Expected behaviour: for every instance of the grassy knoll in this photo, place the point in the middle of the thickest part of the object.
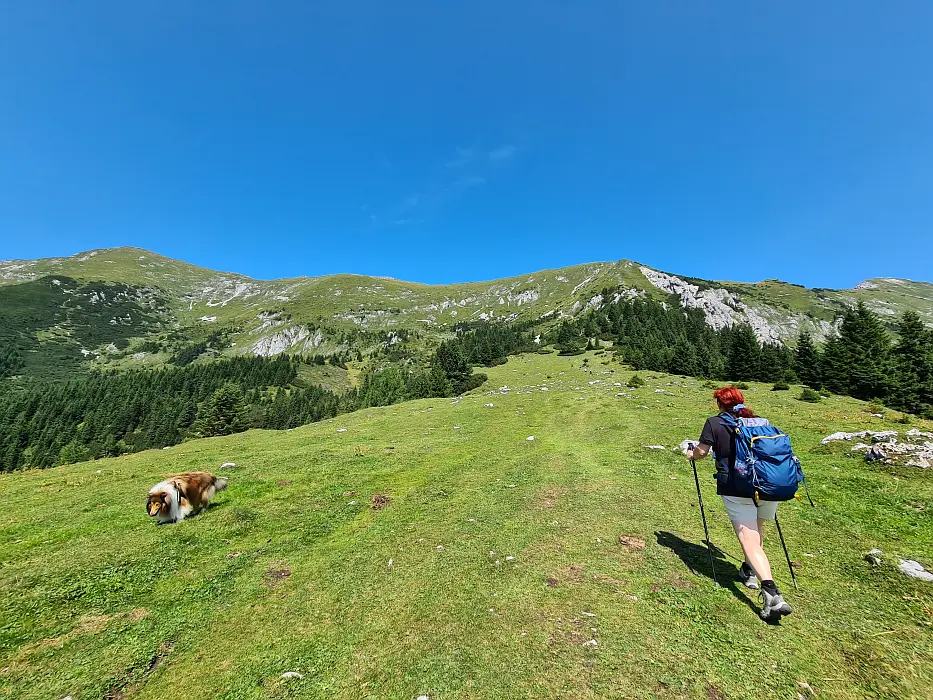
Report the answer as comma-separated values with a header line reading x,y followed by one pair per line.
x,y
290,570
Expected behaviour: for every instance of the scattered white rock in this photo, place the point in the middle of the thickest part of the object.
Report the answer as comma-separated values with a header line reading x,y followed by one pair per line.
x,y
510,558
390,564
488,405
591,643
874,557
655,447
341,430
588,614
530,438
439,548
291,674
228,465
914,570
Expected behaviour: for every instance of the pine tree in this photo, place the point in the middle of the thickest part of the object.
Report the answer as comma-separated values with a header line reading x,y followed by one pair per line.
x,y
913,366
834,366
744,355
867,350
807,361
450,358
222,414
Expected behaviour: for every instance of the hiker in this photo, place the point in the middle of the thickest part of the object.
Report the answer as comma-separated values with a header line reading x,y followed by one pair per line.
x,y
748,514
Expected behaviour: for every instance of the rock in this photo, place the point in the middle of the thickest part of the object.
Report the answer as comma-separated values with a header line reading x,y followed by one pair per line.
x,y
588,614
341,430
875,454
488,405
510,558
228,465
439,548
530,438
914,570
883,436
873,557
591,643
423,697
291,674
914,433
654,447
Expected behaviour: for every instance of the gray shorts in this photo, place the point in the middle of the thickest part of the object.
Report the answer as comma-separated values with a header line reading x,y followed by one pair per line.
x,y
744,510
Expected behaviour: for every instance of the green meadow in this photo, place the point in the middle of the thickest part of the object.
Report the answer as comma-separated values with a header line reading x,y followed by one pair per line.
x,y
431,549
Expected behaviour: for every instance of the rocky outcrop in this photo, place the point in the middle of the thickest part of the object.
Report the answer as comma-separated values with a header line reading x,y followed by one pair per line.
x,y
280,342
724,310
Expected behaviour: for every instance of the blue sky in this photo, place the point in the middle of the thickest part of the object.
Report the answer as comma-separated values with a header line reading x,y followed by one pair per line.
x,y
442,141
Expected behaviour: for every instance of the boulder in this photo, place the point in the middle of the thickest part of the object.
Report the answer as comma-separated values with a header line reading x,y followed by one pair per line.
x,y
914,570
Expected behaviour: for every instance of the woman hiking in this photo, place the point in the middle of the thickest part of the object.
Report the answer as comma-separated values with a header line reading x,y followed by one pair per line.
x,y
747,516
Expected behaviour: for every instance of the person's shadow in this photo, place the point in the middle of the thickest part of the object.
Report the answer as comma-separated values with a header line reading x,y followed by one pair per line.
x,y
696,557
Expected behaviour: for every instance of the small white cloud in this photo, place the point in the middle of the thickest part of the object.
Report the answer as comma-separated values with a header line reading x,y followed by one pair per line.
x,y
503,153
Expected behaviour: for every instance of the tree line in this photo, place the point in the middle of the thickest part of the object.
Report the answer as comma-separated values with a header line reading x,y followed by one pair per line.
x,y
862,360
650,335
104,414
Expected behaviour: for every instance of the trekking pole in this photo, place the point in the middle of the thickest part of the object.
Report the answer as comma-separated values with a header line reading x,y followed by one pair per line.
x,y
709,545
786,555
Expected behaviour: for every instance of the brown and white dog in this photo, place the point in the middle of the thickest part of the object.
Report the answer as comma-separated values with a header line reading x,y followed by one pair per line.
x,y
179,496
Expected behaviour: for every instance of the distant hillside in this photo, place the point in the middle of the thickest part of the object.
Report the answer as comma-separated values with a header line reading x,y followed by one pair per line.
x,y
130,307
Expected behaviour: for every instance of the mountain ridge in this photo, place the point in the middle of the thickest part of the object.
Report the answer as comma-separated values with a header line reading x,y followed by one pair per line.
x,y
127,306
86,254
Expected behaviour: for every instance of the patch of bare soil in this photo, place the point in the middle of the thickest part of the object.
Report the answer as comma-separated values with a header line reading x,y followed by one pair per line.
x,y
549,496
276,573
379,501
634,544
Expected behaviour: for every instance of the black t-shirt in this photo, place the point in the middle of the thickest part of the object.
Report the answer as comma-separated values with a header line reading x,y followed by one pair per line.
x,y
721,439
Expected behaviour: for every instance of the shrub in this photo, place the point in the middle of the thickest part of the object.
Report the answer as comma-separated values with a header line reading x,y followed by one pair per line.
x,y
905,419
875,407
710,385
741,385
636,381
470,383
780,386
809,395
545,351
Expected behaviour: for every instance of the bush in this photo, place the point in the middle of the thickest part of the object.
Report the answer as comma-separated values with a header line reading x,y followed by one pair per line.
x,y
545,351
780,386
809,395
905,419
470,383
636,381
710,385
741,385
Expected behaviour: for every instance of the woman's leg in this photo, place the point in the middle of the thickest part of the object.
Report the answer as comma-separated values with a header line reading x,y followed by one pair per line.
x,y
750,538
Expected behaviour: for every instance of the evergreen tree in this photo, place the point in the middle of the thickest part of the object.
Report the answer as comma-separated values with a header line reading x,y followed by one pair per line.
x,y
744,355
913,366
807,361
450,358
867,351
222,414
833,365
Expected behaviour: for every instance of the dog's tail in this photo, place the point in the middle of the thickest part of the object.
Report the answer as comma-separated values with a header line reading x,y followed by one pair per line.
x,y
220,483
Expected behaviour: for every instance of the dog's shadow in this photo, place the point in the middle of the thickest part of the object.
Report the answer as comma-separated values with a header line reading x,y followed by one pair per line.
x,y
696,557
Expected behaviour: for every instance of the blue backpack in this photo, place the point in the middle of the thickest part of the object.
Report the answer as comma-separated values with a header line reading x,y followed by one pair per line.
x,y
766,467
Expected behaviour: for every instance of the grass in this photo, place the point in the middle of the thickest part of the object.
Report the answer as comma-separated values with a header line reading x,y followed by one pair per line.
x,y
290,569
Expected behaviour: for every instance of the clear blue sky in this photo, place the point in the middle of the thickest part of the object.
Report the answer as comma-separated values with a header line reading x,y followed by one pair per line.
x,y
442,141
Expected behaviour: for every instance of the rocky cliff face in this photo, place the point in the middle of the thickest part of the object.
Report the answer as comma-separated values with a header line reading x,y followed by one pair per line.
x,y
724,310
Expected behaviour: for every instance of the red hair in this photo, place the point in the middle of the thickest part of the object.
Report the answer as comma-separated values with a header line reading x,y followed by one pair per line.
x,y
729,397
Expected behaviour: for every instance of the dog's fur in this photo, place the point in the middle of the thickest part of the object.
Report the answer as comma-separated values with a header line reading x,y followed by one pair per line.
x,y
180,496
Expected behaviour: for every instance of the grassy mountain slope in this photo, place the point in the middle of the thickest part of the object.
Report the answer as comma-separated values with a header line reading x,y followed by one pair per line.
x,y
290,570
323,315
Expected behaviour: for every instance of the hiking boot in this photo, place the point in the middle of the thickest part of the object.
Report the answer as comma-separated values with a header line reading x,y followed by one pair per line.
x,y
774,607
747,577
